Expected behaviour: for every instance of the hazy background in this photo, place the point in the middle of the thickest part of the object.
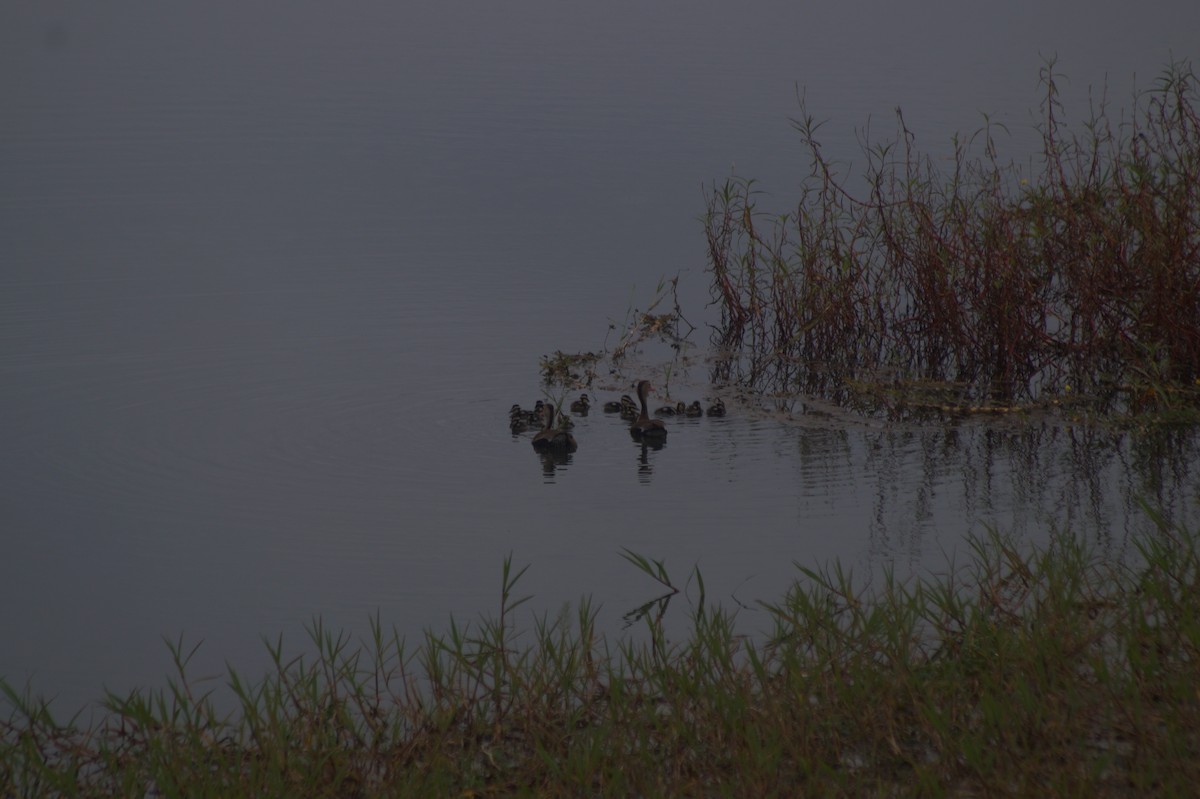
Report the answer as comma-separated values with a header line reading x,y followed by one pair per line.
x,y
271,276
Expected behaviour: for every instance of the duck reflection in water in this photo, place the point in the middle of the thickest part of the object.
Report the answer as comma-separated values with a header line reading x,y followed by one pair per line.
x,y
645,468
552,460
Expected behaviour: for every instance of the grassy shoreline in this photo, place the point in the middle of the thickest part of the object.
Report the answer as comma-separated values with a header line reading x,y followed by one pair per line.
x,y
1029,671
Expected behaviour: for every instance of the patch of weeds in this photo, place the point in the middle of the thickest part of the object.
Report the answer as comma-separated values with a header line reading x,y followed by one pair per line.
x,y
570,370
1055,671
653,323
1077,284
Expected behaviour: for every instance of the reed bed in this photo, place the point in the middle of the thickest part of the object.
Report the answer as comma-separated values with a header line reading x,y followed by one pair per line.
x,y
1050,672
982,284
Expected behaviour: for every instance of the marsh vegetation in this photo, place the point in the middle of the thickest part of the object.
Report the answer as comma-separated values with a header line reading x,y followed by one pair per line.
x,y
984,285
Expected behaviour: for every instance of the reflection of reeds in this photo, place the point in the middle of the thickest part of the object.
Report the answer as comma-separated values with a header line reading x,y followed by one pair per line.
x,y
1082,280
1051,672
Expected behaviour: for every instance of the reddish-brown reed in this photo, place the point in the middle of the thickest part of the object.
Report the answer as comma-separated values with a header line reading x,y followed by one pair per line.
x,y
1013,286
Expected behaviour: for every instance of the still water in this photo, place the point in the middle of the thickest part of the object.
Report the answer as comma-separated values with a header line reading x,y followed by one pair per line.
x,y
269,283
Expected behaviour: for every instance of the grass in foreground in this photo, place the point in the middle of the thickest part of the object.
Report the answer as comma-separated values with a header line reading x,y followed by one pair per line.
x,y
1050,672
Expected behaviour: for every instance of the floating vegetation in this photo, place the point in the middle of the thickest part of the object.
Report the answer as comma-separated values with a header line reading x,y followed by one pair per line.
x,y
641,326
984,288
570,370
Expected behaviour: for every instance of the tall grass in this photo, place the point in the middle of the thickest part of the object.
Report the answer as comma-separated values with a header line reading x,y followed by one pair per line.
x,y
997,285
1050,672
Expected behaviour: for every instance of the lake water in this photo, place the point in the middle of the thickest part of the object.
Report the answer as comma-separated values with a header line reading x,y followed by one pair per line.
x,y
270,280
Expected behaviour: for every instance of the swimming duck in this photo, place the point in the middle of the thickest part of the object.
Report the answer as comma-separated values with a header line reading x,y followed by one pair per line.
x,y
518,423
581,405
629,408
536,416
671,410
645,426
551,437
694,410
717,408
612,406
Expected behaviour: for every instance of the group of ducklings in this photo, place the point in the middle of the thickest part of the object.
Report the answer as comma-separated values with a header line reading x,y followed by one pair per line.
x,y
629,410
553,433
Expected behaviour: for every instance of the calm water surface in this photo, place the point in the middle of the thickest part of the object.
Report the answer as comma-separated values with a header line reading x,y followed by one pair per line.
x,y
269,284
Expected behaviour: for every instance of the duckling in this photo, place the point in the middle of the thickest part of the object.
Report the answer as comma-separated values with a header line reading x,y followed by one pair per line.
x,y
518,423
671,410
581,405
628,408
612,406
694,410
551,437
717,408
536,415
645,427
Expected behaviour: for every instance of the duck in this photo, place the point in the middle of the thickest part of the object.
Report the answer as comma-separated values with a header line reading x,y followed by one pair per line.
x,y
694,410
629,408
717,408
581,405
645,427
677,409
612,406
518,419
551,437
536,416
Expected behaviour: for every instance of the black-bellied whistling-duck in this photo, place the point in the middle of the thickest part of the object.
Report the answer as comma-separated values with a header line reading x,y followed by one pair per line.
x,y
537,415
645,426
671,410
518,420
551,437
629,409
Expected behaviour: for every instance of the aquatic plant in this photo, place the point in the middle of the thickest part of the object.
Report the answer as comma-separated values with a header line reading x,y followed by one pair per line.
x,y
641,326
569,370
983,286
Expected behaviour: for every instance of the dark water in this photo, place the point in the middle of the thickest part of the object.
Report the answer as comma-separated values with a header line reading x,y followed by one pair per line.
x,y
269,282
